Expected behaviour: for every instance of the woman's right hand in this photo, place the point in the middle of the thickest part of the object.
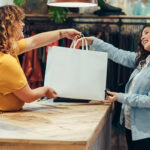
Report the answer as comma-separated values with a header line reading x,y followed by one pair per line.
x,y
69,33
89,41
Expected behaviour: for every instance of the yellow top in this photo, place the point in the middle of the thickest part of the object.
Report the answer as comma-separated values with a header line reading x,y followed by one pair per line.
x,y
12,78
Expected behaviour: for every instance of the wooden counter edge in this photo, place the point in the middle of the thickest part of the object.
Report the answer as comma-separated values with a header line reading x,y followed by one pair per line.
x,y
99,127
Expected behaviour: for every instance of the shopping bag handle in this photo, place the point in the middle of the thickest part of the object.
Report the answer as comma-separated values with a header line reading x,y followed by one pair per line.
x,y
86,44
74,43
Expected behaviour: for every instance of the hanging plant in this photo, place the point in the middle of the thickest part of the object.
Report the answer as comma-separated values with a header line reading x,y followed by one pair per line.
x,y
56,14
19,2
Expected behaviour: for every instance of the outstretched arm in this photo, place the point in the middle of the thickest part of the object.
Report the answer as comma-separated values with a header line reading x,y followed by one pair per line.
x,y
43,39
120,56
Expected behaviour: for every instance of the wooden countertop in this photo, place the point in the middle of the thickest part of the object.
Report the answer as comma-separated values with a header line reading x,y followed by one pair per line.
x,y
57,124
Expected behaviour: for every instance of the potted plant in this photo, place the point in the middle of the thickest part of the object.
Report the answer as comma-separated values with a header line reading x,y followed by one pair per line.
x,y
56,14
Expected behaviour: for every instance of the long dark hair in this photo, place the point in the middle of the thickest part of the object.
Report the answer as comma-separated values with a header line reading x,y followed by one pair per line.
x,y
142,53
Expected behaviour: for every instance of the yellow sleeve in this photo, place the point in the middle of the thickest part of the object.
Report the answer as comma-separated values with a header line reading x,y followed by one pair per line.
x,y
21,46
12,77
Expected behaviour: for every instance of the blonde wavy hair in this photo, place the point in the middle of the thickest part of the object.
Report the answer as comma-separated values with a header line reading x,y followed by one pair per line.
x,y
9,16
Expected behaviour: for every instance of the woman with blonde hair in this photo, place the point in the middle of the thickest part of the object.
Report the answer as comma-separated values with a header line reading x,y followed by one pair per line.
x,y
14,88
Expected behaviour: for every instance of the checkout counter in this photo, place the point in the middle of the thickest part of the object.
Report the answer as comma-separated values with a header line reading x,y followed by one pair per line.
x,y
43,125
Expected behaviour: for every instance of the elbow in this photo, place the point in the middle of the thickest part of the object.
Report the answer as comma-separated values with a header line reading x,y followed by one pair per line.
x,y
28,99
26,94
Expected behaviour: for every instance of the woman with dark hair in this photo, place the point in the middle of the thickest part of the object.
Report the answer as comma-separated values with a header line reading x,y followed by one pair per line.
x,y
14,88
136,99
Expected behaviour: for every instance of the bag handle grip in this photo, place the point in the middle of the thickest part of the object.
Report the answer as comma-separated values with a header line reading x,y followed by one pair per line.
x,y
84,41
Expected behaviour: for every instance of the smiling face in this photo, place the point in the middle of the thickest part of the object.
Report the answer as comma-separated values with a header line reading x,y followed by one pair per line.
x,y
145,38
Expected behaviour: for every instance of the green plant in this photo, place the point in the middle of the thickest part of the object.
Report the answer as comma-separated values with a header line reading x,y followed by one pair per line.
x,y
56,14
19,2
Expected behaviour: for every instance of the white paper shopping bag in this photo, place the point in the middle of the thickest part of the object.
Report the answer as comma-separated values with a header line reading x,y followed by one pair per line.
x,y
77,74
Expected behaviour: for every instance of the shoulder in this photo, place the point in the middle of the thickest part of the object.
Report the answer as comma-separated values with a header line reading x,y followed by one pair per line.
x,y
21,46
22,43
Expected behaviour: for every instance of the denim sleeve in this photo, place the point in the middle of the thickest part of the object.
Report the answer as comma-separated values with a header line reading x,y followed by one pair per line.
x,y
134,100
120,56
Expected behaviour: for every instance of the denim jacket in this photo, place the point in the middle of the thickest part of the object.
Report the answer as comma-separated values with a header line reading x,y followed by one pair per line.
x,y
139,99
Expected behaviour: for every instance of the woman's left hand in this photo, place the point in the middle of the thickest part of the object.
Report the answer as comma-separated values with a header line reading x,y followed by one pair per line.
x,y
70,33
113,96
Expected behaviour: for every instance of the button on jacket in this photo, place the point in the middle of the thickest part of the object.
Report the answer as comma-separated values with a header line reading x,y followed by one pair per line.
x,y
139,99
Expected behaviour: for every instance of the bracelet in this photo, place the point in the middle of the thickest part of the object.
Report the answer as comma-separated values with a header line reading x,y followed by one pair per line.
x,y
60,34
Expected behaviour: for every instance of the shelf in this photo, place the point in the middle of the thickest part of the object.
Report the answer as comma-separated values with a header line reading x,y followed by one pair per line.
x,y
71,15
